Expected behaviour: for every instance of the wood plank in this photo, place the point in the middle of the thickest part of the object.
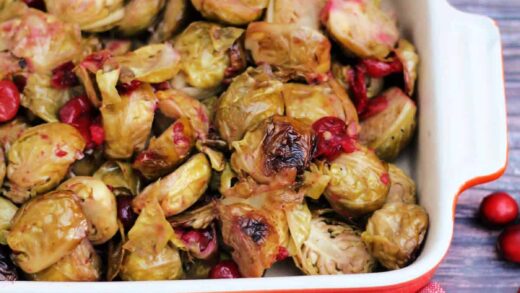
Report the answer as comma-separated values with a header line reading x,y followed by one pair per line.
x,y
472,263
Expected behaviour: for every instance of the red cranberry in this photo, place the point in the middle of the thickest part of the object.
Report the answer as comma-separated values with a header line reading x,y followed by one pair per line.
x,y
202,243
357,84
63,77
509,243
97,134
128,88
498,209
9,100
378,69
226,269
374,107
74,108
332,138
125,213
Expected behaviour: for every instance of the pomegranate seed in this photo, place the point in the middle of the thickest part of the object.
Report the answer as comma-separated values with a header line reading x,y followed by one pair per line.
x,y
226,269
498,209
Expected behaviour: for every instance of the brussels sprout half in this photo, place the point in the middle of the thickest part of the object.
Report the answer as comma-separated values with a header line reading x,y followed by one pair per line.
x,y
234,12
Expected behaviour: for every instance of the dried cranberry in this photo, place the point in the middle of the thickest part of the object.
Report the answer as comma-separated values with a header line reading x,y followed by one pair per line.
x,y
332,138
509,243
74,108
125,213
129,87
9,100
226,269
378,69
36,4
357,83
283,253
95,61
498,209
63,77
97,134
20,81
374,107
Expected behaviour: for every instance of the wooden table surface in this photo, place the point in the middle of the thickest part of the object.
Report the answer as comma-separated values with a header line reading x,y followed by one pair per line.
x,y
472,264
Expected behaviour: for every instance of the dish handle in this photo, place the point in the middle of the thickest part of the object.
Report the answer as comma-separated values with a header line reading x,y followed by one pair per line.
x,y
476,126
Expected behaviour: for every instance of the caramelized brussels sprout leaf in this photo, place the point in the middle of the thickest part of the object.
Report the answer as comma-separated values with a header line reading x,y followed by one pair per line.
x,y
98,204
252,97
199,218
395,233
333,248
296,51
362,28
359,183
179,190
390,131
40,158
407,54
41,235
117,174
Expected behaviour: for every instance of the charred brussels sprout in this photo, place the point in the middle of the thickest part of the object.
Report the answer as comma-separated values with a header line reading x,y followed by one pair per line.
x,y
90,15
139,15
407,54
46,229
179,190
7,212
255,233
167,151
98,204
40,158
234,12
402,187
174,14
82,264
333,248
252,97
116,174
150,254
204,47
361,27
277,150
128,123
300,12
359,183
395,233
390,131
296,51
55,42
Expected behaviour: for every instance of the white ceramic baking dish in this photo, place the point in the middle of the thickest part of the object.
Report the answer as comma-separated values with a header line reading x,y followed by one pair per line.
x,y
462,142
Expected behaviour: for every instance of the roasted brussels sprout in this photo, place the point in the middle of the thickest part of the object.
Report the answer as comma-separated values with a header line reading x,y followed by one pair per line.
x,y
150,254
359,183
395,233
407,54
90,15
40,158
139,15
390,131
176,104
40,38
167,151
204,47
98,204
46,229
11,131
255,232
128,122
252,97
153,64
234,12
116,174
333,248
180,189
7,212
277,150
296,51
82,264
174,14
42,99
300,12
402,187
315,102
361,27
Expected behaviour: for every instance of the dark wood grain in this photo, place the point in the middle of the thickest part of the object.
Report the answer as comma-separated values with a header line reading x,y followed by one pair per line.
x,y
472,264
